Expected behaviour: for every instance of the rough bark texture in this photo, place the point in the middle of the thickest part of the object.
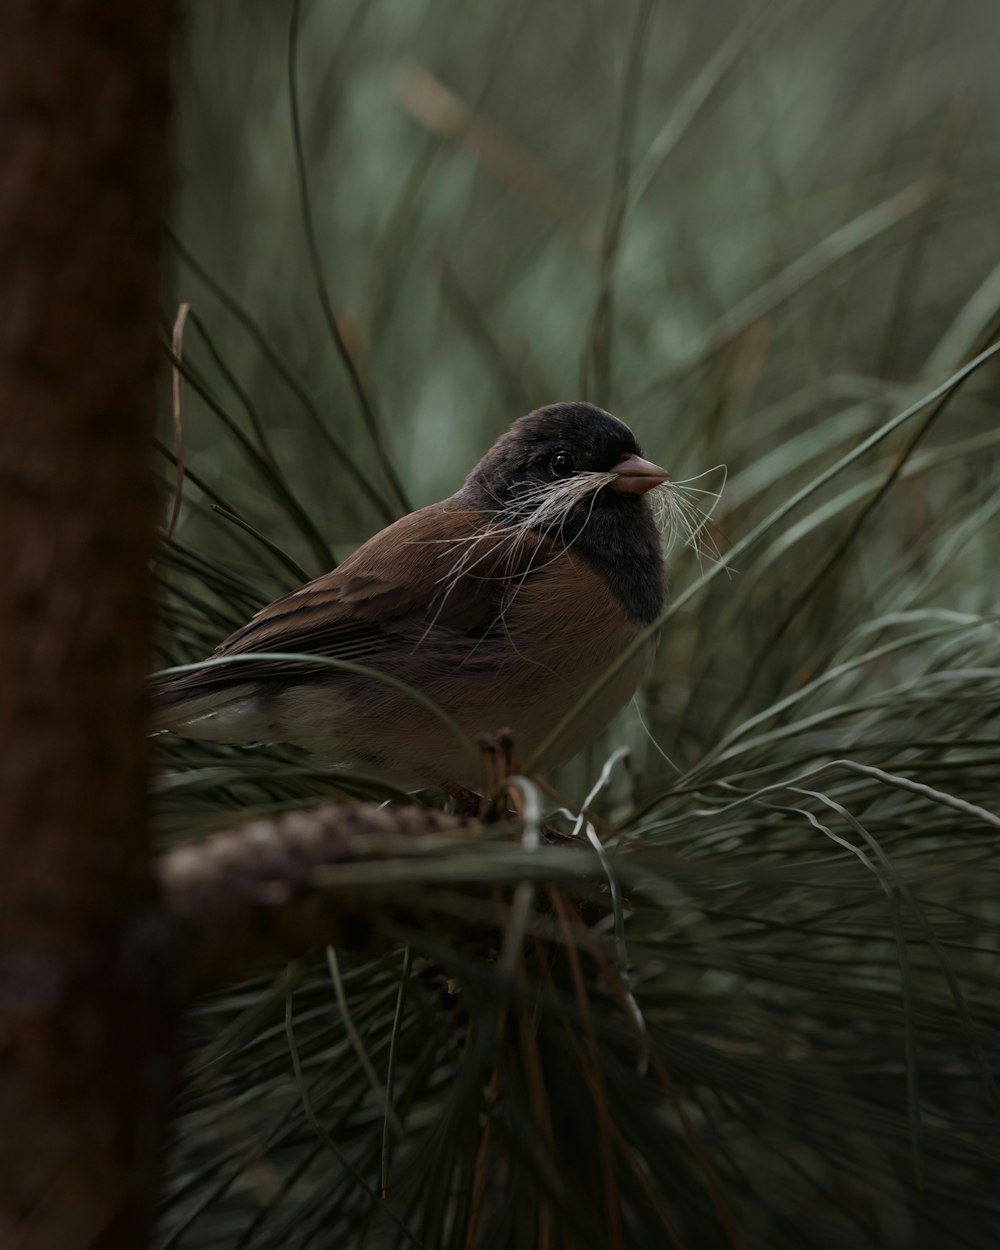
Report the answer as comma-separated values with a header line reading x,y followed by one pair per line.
x,y
85,1027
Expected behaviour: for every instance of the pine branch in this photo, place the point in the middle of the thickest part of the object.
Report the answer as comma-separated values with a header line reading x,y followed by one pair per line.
x,y
272,890
255,894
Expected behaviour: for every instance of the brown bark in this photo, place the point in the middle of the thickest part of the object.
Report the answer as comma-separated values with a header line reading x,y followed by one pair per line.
x,y
84,1022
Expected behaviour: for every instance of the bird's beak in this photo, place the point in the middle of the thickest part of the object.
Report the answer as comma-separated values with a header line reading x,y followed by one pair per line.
x,y
634,476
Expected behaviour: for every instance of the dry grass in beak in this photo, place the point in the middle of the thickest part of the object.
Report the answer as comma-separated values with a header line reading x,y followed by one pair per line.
x,y
680,511
491,551
683,511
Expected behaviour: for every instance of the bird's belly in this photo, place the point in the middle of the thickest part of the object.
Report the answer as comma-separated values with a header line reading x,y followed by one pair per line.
x,y
386,734
567,636
591,719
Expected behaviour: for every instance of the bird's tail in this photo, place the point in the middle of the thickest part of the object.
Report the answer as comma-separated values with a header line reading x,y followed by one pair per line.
x,y
196,709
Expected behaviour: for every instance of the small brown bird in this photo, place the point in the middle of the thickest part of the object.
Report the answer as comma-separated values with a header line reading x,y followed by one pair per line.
x,y
502,604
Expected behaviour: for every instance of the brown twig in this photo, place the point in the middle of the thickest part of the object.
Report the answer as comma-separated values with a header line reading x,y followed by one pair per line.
x,y
612,1196
481,1174
627,1151
667,1084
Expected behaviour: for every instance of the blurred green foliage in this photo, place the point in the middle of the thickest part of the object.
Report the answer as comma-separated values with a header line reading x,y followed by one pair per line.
x,y
460,163
757,233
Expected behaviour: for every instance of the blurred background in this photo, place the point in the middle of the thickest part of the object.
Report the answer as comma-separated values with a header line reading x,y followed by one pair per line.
x,y
758,233
810,198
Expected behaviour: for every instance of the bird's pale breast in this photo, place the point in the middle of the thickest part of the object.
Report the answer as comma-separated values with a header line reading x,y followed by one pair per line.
x,y
558,633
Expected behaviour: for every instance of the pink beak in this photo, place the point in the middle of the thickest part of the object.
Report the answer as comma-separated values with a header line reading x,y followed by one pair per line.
x,y
635,476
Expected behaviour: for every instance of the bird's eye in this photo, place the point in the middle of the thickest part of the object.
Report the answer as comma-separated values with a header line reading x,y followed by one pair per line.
x,y
562,463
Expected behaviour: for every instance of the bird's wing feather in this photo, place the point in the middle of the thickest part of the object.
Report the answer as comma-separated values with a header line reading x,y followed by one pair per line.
x,y
426,576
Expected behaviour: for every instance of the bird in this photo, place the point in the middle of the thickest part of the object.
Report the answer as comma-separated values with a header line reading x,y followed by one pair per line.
x,y
500,604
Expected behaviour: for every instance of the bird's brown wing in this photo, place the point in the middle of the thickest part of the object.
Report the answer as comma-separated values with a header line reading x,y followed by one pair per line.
x,y
431,576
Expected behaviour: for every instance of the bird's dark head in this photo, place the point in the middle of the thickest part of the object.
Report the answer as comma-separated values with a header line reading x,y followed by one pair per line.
x,y
565,447
575,473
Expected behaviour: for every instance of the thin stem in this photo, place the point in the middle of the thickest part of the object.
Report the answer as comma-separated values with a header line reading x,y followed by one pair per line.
x,y
596,363
366,401
287,375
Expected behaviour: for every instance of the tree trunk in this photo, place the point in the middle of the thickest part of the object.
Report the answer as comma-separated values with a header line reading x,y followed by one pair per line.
x,y
85,1026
